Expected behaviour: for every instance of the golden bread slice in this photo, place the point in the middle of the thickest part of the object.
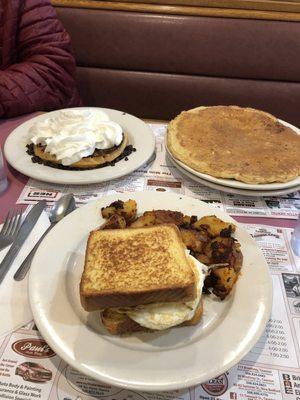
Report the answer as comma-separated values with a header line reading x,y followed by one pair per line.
x,y
119,323
129,267
248,145
98,158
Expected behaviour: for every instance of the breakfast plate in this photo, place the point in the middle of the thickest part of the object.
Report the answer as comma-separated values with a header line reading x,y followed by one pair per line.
x,y
238,184
229,189
173,359
140,137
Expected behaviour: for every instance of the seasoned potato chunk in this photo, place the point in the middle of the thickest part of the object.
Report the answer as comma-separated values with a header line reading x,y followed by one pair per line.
x,y
202,258
223,277
221,280
148,219
115,221
130,209
126,209
168,217
214,226
193,239
219,250
223,250
158,217
186,221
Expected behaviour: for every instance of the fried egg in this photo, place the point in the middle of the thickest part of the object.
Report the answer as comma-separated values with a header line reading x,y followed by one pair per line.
x,y
165,315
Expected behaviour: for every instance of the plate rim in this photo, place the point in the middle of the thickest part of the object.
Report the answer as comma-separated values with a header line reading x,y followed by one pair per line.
x,y
46,176
153,387
230,189
239,184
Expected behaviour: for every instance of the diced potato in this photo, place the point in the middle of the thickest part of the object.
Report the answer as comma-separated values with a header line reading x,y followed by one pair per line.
x,y
214,226
219,250
226,278
204,259
126,209
186,221
222,277
114,222
130,209
168,217
193,239
148,219
108,211
158,217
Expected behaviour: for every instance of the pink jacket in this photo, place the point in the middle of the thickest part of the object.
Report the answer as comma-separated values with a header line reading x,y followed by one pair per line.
x,y
37,67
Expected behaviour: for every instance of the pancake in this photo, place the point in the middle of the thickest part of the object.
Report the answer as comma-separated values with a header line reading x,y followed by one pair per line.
x,y
245,144
100,157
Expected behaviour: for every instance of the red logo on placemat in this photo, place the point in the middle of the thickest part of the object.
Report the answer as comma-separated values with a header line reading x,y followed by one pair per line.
x,y
34,348
216,386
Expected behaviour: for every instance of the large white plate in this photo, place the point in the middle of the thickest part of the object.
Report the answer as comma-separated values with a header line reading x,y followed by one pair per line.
x,y
238,184
228,189
140,136
177,358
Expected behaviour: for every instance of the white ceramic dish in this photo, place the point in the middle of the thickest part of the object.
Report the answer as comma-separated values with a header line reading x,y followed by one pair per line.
x,y
238,184
140,136
177,358
228,189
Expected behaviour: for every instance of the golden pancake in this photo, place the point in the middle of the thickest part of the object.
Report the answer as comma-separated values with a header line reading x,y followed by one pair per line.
x,y
99,157
238,143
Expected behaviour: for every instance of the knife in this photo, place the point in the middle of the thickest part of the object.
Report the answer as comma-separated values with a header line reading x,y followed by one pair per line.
x,y
26,227
24,267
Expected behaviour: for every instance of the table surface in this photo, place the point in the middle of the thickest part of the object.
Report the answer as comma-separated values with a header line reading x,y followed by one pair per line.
x,y
17,181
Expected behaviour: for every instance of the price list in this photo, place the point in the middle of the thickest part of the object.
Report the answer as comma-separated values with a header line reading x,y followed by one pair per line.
x,y
276,345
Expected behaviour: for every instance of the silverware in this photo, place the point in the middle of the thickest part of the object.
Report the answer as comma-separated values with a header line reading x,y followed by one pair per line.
x,y
10,227
27,226
60,209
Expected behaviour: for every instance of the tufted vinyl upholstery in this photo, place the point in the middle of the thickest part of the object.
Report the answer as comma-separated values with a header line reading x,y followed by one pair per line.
x,y
156,65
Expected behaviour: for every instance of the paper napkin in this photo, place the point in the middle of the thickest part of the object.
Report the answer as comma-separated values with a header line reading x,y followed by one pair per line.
x,y
14,302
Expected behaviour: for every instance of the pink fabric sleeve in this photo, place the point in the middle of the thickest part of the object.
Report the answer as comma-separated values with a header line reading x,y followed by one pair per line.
x,y
43,77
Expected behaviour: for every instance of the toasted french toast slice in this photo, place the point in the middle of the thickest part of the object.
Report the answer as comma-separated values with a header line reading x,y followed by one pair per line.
x,y
129,267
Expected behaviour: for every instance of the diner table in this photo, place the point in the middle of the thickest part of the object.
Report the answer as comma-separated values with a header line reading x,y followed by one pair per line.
x,y
271,371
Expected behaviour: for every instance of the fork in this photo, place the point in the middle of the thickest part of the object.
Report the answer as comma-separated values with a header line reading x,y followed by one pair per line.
x,y
10,228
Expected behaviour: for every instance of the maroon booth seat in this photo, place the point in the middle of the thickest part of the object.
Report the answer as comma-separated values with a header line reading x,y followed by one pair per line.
x,y
155,65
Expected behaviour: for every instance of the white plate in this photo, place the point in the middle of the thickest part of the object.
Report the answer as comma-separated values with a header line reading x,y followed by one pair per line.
x,y
177,358
228,189
238,184
140,136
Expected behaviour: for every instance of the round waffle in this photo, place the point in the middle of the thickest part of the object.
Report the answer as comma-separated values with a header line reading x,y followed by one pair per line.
x,y
248,145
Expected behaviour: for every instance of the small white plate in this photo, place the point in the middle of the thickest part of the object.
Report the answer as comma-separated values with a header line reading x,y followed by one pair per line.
x,y
228,189
178,358
238,184
140,136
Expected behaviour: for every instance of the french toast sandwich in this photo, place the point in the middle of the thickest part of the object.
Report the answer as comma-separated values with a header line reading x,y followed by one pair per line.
x,y
132,267
148,272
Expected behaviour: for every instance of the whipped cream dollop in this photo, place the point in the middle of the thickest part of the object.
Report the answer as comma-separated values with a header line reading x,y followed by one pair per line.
x,y
72,134
165,315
